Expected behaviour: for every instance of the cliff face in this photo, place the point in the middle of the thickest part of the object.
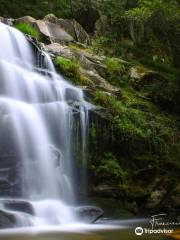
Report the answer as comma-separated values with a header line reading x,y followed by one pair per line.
x,y
133,140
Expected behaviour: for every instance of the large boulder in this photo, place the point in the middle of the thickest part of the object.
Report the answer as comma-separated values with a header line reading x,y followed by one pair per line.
x,y
17,205
53,31
89,214
48,31
26,19
12,219
71,26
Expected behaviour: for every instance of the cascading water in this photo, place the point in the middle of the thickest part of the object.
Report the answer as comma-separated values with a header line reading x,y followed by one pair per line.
x,y
35,107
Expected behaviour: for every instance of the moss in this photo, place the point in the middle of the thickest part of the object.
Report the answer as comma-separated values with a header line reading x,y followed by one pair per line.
x,y
115,71
113,64
70,69
138,120
27,29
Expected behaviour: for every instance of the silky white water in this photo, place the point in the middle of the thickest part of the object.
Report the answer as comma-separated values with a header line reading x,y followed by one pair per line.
x,y
37,109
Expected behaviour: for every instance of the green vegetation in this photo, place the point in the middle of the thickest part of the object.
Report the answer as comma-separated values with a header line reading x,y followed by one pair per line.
x,y
27,29
135,145
67,66
110,170
115,71
70,69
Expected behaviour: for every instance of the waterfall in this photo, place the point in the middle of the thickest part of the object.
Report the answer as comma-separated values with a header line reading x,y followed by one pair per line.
x,y
35,108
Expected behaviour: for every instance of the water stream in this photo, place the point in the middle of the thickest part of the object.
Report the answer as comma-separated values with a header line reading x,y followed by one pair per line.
x,y
36,108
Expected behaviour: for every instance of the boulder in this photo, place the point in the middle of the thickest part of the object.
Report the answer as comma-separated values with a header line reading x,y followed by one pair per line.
x,y
7,219
47,30
17,205
71,26
101,25
58,30
12,219
98,81
26,19
59,50
89,214
142,77
90,61
53,31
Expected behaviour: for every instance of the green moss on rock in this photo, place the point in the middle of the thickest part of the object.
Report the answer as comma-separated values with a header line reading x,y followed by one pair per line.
x,y
27,29
70,69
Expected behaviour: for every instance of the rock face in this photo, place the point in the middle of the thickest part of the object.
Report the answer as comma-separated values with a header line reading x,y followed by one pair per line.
x,y
91,66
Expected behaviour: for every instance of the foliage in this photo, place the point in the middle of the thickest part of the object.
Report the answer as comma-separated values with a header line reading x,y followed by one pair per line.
x,y
109,168
136,118
70,69
27,29
115,71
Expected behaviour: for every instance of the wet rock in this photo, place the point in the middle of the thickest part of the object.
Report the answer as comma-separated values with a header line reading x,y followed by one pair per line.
x,y
12,219
72,95
10,168
7,220
8,21
18,205
89,214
